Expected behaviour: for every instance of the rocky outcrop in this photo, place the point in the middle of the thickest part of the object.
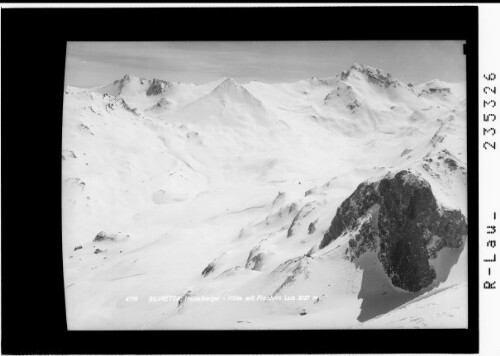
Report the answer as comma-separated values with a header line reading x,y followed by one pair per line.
x,y
374,75
113,103
312,227
68,153
158,87
102,236
435,88
106,236
343,95
310,192
182,300
212,266
444,160
398,218
279,198
162,105
294,269
255,259
438,91
209,269
119,84
303,212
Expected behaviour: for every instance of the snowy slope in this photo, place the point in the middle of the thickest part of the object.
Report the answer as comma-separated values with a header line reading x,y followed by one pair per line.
x,y
227,189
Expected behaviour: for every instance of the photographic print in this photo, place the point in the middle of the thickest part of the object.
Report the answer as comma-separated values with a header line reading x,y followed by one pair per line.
x,y
265,185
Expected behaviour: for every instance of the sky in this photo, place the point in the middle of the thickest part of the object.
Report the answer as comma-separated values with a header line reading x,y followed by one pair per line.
x,y
91,64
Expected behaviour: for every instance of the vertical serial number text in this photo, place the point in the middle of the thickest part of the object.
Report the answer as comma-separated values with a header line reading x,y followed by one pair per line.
x,y
489,104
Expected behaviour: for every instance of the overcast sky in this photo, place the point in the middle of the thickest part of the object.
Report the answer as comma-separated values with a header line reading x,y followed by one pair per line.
x,y
98,63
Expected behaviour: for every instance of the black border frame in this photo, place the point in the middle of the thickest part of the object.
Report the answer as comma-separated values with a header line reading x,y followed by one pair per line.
x,y
33,59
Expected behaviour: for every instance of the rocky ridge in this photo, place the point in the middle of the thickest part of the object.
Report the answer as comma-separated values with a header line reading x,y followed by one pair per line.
x,y
399,218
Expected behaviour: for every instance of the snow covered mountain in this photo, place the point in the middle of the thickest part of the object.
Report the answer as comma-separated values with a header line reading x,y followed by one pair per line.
x,y
333,202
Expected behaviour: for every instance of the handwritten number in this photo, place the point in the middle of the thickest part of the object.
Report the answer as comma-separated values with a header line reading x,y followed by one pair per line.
x,y
491,76
494,90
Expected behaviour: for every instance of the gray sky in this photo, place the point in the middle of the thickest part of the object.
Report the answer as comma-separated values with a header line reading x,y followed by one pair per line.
x,y
98,63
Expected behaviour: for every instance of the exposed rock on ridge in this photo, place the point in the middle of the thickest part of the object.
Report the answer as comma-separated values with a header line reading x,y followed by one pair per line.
x,y
158,87
399,218
374,75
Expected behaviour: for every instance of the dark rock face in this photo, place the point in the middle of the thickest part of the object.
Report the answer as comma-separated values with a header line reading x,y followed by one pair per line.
x,y
309,192
293,269
184,299
443,165
289,233
406,151
209,269
344,94
78,248
158,87
161,104
116,102
311,228
212,266
255,259
121,83
399,218
353,106
279,198
102,236
303,212
434,89
451,164
444,91
374,75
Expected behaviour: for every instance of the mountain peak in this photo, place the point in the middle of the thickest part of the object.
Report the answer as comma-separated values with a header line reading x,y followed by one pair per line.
x,y
158,86
374,75
356,66
228,85
230,90
129,77
435,86
229,82
369,70
322,81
